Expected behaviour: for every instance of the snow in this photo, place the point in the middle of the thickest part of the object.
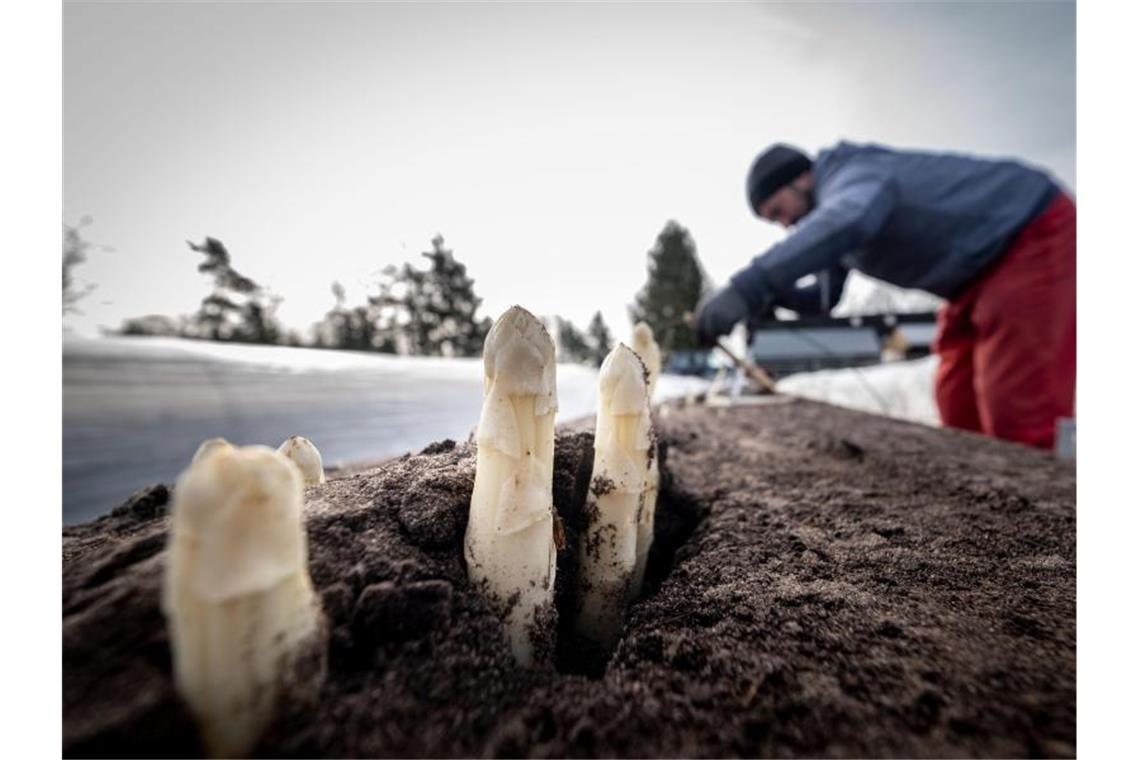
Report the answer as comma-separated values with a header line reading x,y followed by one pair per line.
x,y
136,409
904,390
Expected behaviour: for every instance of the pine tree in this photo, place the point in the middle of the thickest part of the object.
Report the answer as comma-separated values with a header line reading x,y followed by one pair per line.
x,y
238,309
435,307
258,324
75,250
572,343
601,342
675,286
332,330
359,328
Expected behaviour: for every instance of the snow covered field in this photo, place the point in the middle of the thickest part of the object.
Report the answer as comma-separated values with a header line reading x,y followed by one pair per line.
x,y
135,409
901,389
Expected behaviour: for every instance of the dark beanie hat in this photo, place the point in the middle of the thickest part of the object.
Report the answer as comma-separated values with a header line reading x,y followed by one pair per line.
x,y
773,169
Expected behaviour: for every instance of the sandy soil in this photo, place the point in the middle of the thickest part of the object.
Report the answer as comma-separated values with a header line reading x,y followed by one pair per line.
x,y
823,583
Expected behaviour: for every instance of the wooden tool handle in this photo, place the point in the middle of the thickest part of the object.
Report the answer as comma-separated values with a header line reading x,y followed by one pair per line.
x,y
762,378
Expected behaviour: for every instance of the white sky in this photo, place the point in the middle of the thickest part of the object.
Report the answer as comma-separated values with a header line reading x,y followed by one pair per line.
x,y
547,143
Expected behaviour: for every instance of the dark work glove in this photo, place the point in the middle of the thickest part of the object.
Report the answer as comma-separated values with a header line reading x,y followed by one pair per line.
x,y
757,318
718,313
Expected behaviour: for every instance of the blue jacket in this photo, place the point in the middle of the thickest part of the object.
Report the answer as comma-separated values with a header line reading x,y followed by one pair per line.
x,y
919,220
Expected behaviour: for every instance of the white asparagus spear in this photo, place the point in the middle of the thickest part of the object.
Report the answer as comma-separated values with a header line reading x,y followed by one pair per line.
x,y
304,454
646,347
650,353
209,446
646,517
509,544
608,551
245,625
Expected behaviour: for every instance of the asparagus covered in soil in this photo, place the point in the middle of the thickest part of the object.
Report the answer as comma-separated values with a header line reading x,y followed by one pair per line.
x,y
609,546
645,519
304,454
650,354
246,628
509,545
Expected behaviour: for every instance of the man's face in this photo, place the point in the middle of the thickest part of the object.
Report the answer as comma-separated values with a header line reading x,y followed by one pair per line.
x,y
787,205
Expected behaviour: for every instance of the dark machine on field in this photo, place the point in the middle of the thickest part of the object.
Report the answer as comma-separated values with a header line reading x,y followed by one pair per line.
x,y
783,347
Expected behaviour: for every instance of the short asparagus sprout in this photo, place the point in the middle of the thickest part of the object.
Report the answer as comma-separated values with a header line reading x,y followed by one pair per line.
x,y
650,353
509,545
609,550
246,629
209,446
304,454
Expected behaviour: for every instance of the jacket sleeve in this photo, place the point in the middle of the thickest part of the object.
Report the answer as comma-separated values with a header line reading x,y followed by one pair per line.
x,y
854,204
809,298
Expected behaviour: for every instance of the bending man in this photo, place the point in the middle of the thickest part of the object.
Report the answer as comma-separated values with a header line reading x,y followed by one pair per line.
x,y
996,239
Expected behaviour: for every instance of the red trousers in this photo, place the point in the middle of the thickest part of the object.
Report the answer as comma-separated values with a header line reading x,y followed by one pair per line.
x,y
1008,344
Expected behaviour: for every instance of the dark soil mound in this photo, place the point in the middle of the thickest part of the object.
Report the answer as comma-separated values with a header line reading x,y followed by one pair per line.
x,y
823,583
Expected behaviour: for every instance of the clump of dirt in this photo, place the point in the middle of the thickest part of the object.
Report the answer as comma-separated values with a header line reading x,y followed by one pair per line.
x,y
822,582
602,485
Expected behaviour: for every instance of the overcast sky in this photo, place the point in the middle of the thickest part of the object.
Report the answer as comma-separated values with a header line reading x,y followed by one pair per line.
x,y
549,144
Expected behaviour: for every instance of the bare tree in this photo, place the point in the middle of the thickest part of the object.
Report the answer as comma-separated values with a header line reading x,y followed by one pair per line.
x,y
75,250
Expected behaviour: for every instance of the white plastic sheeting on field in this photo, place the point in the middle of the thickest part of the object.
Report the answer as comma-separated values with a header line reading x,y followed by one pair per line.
x,y
135,409
901,389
